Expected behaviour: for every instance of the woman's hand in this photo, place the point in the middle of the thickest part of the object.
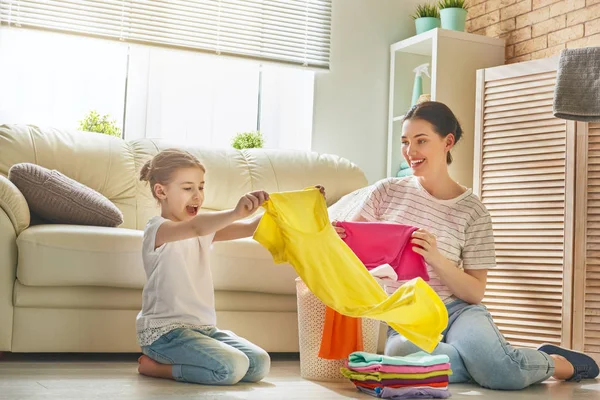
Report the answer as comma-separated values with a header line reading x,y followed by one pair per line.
x,y
322,190
425,244
339,230
467,285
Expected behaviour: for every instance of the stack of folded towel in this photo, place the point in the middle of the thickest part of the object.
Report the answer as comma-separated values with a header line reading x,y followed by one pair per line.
x,y
417,376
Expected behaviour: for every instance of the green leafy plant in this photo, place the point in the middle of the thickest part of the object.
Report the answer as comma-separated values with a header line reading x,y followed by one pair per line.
x,y
426,11
452,4
248,140
93,122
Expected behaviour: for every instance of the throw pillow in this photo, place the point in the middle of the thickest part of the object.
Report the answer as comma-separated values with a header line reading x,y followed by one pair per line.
x,y
349,205
59,199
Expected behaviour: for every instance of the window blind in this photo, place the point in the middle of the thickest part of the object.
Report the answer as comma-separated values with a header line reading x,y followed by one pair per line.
x,y
287,31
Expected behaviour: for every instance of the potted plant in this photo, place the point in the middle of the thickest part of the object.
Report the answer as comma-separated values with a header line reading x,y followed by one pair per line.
x,y
248,140
93,122
453,14
426,17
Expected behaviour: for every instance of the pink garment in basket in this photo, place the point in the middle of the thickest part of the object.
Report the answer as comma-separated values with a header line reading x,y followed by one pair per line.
x,y
378,243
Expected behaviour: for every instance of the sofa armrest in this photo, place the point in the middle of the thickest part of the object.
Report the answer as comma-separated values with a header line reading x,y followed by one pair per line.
x,y
8,266
14,205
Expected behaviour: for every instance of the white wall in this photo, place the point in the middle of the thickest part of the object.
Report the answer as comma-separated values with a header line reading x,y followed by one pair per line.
x,y
351,100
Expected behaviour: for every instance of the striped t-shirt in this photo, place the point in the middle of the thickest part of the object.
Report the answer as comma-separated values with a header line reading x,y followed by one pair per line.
x,y
462,226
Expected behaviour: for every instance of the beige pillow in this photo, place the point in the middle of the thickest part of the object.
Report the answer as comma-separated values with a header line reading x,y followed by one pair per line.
x,y
349,205
62,200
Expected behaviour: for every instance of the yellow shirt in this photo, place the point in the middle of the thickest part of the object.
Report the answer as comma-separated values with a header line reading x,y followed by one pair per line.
x,y
296,229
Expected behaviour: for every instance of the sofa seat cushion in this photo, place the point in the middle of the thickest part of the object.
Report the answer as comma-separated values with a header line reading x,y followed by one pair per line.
x,y
244,265
105,298
76,297
72,255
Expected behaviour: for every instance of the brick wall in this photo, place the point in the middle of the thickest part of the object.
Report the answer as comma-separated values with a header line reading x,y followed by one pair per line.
x,y
536,29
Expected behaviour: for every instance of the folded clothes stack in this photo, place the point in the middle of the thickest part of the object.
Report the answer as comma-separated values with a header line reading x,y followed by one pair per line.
x,y
417,376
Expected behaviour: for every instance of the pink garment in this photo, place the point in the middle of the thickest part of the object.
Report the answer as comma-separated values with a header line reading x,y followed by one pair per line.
x,y
400,369
377,243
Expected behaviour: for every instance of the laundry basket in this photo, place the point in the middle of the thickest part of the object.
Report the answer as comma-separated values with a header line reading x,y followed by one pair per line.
x,y
311,319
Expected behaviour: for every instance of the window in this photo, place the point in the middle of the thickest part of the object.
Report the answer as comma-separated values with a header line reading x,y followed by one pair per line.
x,y
185,97
51,79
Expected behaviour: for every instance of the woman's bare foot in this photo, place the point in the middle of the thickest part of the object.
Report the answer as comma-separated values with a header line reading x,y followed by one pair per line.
x,y
149,367
563,369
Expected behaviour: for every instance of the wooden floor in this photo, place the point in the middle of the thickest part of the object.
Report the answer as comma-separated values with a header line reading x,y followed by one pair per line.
x,y
108,377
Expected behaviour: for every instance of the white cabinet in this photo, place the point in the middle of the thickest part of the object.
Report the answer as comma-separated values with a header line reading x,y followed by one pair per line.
x,y
453,57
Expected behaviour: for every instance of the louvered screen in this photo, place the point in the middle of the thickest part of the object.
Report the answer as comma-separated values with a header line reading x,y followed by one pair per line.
x,y
591,325
523,186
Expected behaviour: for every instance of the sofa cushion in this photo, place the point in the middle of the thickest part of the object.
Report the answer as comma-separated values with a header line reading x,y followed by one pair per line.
x,y
73,255
244,265
104,298
349,205
111,166
60,199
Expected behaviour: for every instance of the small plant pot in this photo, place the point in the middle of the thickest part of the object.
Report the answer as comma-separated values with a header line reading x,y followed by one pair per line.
x,y
453,18
426,24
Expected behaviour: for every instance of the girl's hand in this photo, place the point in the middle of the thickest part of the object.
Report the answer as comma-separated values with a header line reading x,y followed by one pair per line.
x,y
425,244
322,190
339,230
250,202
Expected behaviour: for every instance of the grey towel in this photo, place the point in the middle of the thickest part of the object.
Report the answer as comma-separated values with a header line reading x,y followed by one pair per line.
x,y
577,91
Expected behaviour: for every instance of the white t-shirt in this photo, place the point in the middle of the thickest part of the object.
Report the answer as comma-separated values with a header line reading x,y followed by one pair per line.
x,y
179,291
462,226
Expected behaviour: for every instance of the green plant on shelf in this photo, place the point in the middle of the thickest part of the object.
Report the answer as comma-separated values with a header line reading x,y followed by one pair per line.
x,y
452,4
248,140
426,11
93,122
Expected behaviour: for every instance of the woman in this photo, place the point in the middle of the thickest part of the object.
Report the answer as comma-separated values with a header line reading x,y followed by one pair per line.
x,y
456,240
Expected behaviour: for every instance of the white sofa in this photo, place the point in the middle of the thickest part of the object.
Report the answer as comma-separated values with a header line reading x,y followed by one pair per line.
x,y
66,288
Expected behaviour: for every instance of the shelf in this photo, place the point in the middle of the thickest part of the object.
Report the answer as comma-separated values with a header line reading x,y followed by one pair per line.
x,y
422,44
453,58
419,44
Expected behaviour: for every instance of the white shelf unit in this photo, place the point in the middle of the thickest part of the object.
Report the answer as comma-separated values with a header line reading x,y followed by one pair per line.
x,y
453,57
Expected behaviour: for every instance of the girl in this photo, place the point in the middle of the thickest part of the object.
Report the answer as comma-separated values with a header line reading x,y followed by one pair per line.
x,y
176,326
456,241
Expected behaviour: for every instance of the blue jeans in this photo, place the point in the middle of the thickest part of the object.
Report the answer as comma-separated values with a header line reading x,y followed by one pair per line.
x,y
479,353
209,356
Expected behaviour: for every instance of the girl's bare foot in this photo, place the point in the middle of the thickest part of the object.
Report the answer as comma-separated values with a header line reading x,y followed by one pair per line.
x,y
149,367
